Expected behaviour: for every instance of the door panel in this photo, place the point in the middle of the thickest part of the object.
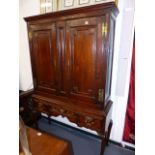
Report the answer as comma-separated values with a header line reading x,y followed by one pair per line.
x,y
44,50
83,41
83,61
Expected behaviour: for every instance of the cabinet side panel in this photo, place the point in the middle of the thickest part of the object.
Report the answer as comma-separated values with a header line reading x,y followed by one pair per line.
x,y
110,53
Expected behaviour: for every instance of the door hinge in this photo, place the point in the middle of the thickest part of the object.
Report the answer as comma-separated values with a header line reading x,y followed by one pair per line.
x,y
30,35
104,29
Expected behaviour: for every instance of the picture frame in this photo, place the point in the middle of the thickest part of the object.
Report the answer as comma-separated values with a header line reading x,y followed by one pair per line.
x,y
46,6
99,0
84,2
68,3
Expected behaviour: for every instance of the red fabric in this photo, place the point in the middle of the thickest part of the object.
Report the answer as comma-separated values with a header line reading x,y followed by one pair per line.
x,y
129,129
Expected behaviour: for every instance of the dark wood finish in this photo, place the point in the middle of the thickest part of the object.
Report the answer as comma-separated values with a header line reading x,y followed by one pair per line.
x,y
83,11
47,144
26,108
103,144
72,55
109,131
105,138
44,52
83,38
23,94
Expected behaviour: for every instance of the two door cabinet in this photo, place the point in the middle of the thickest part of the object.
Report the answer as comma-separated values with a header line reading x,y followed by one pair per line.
x,y
71,56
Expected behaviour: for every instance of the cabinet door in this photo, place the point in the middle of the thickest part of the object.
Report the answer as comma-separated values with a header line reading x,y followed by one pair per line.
x,y
84,40
44,56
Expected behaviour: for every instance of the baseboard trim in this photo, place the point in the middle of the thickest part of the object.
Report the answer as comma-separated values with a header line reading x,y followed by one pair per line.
x,y
120,145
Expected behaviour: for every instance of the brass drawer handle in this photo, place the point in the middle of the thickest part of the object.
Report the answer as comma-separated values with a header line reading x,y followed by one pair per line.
x,y
62,111
88,119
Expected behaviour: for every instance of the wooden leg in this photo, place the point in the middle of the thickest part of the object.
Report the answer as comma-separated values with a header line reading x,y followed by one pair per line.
x,y
36,125
105,138
109,131
37,117
103,144
49,120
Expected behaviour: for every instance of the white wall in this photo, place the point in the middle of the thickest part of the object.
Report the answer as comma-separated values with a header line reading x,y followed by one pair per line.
x,y
122,64
26,8
76,4
122,59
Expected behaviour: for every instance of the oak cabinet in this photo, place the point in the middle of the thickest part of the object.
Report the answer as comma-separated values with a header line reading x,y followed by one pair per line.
x,y
71,56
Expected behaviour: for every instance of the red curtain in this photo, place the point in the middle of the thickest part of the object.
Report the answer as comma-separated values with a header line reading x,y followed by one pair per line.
x,y
129,129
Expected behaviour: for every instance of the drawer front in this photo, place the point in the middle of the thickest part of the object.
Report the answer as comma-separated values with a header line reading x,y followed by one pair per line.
x,y
90,122
48,108
54,110
42,106
81,119
72,116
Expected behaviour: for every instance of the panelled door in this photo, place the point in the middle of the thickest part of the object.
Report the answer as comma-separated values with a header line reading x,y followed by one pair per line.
x,y
84,40
44,55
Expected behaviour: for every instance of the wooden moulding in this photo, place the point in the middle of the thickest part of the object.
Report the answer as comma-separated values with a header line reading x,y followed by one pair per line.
x,y
102,7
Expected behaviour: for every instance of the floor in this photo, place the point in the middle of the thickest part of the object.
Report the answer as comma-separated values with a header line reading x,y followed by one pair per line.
x,y
83,144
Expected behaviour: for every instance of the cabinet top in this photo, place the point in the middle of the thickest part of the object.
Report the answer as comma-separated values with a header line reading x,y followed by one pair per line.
x,y
97,9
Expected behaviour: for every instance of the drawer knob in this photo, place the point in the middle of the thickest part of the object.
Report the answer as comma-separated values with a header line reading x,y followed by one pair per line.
x,y
86,22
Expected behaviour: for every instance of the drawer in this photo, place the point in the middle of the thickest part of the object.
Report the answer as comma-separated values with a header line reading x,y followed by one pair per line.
x,y
82,119
72,116
56,110
42,106
48,108
90,122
